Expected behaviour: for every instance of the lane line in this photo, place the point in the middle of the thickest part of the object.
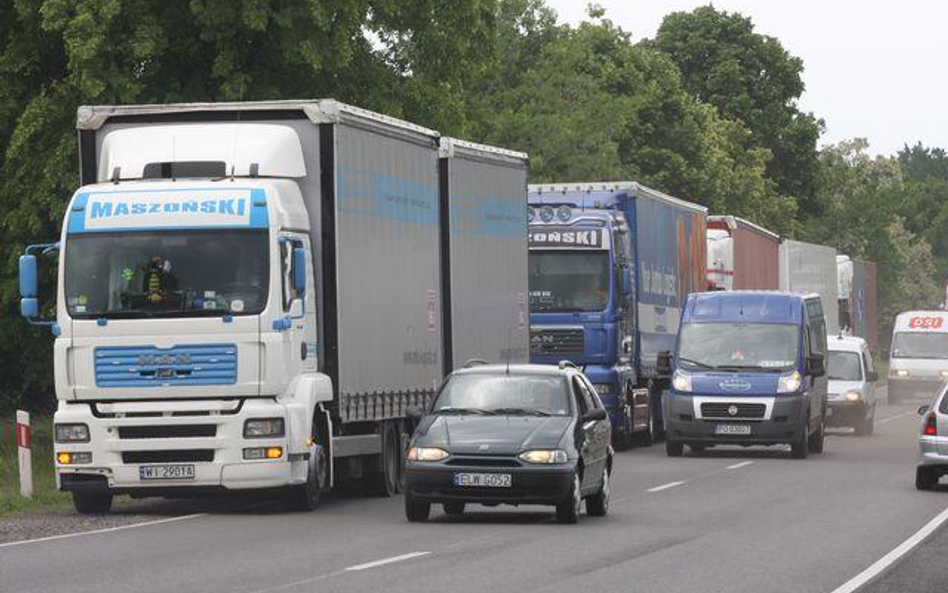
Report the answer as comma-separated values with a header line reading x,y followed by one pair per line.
x,y
891,418
740,465
385,561
105,530
665,486
892,557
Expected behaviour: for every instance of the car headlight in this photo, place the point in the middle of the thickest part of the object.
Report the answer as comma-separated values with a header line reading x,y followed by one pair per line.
x,y
852,396
544,456
603,388
900,373
682,382
258,428
789,383
944,374
72,433
426,454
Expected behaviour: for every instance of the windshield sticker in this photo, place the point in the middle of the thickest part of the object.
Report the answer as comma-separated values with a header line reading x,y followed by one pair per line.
x,y
774,364
236,306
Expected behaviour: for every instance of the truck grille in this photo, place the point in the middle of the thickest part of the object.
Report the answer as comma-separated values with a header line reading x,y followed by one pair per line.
x,y
148,366
168,456
556,341
167,432
724,409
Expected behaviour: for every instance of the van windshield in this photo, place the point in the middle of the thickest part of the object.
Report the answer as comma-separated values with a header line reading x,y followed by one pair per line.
x,y
920,345
844,366
738,346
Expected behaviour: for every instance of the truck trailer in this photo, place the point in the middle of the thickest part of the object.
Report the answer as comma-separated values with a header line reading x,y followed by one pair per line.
x,y
610,266
254,295
741,255
811,268
856,294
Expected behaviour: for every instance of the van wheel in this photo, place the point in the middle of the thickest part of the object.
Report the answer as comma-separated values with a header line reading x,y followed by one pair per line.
x,y
815,442
673,448
926,478
800,447
92,503
864,426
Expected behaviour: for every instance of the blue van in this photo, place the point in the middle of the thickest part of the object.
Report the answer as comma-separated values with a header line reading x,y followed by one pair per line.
x,y
749,369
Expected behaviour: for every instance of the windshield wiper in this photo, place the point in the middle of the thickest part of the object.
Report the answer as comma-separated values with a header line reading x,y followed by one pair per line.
x,y
519,411
463,411
699,364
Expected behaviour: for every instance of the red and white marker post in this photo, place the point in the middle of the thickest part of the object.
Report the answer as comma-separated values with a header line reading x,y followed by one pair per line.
x,y
24,453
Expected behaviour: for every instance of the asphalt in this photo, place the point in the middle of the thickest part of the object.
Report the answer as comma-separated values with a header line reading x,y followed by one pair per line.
x,y
726,520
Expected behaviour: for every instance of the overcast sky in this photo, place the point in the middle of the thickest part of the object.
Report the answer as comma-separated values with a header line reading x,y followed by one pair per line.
x,y
873,69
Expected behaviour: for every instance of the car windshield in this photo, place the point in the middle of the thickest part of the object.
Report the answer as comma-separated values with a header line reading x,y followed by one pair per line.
x,y
504,394
920,345
726,346
166,273
844,366
567,281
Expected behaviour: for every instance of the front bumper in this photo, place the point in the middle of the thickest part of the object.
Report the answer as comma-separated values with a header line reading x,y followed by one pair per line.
x,y
845,413
933,451
902,389
786,420
434,482
119,451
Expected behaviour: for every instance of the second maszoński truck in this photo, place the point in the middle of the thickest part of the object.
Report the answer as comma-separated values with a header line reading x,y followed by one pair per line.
x,y
252,294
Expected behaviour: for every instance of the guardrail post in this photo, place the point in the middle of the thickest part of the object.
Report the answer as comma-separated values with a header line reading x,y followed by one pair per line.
x,y
24,454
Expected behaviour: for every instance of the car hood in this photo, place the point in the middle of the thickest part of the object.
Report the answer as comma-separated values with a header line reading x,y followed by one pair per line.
x,y
836,386
497,435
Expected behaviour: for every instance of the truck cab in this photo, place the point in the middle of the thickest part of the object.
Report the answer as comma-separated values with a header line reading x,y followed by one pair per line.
x,y
918,358
749,369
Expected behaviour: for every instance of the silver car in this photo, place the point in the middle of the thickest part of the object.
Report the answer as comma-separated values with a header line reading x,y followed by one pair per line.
x,y
933,442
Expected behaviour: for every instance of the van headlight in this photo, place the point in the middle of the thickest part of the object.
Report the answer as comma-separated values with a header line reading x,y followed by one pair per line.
x,y
259,428
900,373
789,383
852,396
544,456
72,433
682,382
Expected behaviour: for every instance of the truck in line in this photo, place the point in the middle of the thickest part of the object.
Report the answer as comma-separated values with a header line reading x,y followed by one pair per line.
x,y
252,295
810,268
858,308
741,255
610,267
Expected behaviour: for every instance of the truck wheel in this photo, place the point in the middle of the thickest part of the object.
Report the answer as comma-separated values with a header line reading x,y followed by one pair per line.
x,y
92,503
815,442
597,505
568,510
647,437
416,511
384,483
926,478
673,448
307,497
453,508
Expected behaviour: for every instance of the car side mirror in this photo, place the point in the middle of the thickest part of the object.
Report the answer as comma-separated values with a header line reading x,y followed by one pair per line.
x,y
664,363
872,376
922,410
815,365
414,412
594,415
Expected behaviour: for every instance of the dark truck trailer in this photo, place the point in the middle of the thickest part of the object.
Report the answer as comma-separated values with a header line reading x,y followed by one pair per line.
x,y
742,255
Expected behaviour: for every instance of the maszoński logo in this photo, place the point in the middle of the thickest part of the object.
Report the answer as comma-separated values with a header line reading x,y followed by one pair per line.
x,y
163,209
224,206
573,238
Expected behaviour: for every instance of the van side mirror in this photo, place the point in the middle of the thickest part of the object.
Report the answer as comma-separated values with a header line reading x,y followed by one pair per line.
x,y
815,365
299,269
872,376
664,363
922,410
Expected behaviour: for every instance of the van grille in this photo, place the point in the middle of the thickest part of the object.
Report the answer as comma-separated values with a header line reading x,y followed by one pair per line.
x,y
148,366
556,341
723,410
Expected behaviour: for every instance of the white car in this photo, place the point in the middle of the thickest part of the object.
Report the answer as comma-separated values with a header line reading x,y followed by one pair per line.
x,y
933,442
851,393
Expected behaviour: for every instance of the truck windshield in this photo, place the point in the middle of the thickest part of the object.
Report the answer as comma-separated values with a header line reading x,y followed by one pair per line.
x,y
568,281
738,346
920,345
503,394
844,366
127,275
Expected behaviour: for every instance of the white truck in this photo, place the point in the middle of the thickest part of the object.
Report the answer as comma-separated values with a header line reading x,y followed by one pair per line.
x,y
918,358
807,267
254,295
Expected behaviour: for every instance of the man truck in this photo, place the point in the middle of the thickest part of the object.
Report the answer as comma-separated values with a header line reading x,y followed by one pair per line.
x,y
250,295
610,267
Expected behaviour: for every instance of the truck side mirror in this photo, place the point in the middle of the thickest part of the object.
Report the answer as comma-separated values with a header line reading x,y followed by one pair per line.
x,y
626,280
664,363
872,376
29,305
299,269
815,365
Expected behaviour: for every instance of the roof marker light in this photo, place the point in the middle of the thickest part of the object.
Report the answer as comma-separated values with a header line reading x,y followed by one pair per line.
x,y
563,213
546,214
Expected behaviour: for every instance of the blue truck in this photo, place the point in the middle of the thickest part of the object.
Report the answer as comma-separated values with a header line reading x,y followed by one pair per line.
x,y
749,369
610,265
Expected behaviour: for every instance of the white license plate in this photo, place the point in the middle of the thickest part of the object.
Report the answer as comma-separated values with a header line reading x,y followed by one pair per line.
x,y
166,472
483,480
732,429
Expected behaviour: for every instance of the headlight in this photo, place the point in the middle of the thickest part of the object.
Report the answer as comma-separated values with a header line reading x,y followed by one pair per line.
x,y
944,374
258,428
789,383
72,433
852,396
603,388
682,382
901,373
545,456
426,454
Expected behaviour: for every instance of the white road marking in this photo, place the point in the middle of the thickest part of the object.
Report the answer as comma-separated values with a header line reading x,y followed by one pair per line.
x,y
385,561
98,531
891,418
740,465
892,557
665,486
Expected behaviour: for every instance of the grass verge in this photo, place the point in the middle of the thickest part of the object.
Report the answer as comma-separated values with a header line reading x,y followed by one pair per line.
x,y
45,495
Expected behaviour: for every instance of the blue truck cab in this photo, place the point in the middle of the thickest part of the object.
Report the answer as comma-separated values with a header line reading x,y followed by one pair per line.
x,y
749,369
609,266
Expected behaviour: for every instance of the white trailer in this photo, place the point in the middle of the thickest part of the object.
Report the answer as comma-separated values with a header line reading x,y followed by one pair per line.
x,y
806,267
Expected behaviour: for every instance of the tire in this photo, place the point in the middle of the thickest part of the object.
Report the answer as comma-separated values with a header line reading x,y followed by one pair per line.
x,y
816,440
800,447
92,503
864,426
453,508
926,478
384,483
673,448
647,437
597,505
307,497
416,511
568,510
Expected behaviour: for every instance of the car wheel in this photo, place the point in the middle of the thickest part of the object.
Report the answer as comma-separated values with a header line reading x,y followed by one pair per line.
x,y
597,505
673,448
416,511
92,503
815,442
453,508
568,510
926,478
